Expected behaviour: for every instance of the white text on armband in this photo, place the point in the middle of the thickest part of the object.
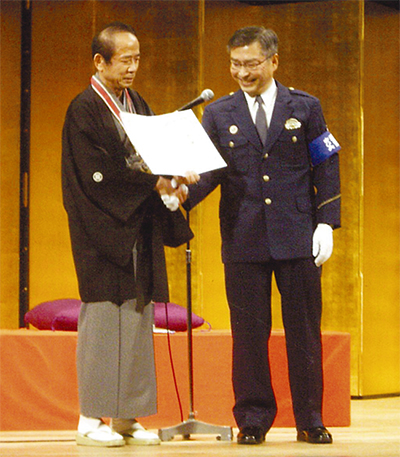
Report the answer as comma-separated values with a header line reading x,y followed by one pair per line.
x,y
323,147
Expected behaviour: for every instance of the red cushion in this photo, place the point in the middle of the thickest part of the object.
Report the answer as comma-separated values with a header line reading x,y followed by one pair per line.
x,y
177,317
63,314
55,315
67,319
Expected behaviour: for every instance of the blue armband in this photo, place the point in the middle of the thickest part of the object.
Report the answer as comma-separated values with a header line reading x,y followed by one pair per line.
x,y
323,147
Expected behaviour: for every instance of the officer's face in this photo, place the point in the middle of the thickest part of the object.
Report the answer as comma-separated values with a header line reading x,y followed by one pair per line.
x,y
120,72
251,70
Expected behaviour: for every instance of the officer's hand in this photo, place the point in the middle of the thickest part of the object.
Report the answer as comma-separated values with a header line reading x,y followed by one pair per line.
x,y
191,177
322,243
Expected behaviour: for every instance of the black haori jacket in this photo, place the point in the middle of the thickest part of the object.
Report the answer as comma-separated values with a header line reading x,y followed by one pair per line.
x,y
111,207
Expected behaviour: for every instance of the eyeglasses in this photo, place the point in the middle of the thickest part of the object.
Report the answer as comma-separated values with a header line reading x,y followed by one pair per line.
x,y
236,65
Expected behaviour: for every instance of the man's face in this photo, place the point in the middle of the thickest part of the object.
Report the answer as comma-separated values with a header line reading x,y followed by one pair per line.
x,y
120,72
256,79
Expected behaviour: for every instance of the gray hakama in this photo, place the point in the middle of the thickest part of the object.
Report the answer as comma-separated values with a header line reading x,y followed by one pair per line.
x,y
115,360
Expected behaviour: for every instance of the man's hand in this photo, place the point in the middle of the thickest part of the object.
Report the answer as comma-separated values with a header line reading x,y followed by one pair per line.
x,y
191,177
164,186
175,191
170,201
180,184
166,189
322,243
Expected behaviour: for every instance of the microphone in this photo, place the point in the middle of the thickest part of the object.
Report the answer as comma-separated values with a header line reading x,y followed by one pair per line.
x,y
206,95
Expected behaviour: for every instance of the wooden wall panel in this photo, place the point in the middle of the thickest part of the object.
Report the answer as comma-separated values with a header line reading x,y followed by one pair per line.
x,y
380,364
10,55
322,51
61,69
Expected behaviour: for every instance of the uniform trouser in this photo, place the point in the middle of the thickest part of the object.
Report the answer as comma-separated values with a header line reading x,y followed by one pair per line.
x,y
248,287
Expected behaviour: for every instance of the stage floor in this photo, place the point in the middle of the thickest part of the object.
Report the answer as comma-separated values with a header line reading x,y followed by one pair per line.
x,y
375,431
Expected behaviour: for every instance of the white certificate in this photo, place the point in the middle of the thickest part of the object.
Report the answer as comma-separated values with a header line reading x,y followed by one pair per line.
x,y
172,144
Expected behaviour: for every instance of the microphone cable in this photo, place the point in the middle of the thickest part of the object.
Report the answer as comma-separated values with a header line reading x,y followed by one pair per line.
x,y
172,362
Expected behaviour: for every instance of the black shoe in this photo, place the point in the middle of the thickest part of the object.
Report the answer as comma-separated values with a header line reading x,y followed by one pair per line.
x,y
316,435
251,435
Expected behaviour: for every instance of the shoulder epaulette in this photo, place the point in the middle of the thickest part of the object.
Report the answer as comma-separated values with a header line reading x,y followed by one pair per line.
x,y
294,91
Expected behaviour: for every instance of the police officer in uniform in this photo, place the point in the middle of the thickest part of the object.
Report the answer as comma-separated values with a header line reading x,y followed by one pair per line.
x,y
280,200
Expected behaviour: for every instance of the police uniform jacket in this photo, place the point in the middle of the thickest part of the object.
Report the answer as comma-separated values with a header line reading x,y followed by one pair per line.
x,y
272,197
111,208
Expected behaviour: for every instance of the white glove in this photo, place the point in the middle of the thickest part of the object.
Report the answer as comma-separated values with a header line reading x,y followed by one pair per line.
x,y
174,184
322,243
170,201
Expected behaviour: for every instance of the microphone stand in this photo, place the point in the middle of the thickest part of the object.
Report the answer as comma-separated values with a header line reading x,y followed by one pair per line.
x,y
191,425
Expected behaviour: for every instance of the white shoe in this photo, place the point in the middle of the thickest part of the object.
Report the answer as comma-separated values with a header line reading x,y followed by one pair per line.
x,y
94,432
134,433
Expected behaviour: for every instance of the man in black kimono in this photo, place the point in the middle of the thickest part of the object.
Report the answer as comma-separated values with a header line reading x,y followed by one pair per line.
x,y
119,225
280,199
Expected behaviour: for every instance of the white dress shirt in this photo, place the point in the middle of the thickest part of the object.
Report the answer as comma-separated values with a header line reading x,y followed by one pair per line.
x,y
268,97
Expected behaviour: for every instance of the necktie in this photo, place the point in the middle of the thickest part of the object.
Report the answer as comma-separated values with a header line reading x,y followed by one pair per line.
x,y
261,120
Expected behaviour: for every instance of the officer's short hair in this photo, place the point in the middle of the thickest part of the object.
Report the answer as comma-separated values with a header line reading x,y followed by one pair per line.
x,y
267,38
